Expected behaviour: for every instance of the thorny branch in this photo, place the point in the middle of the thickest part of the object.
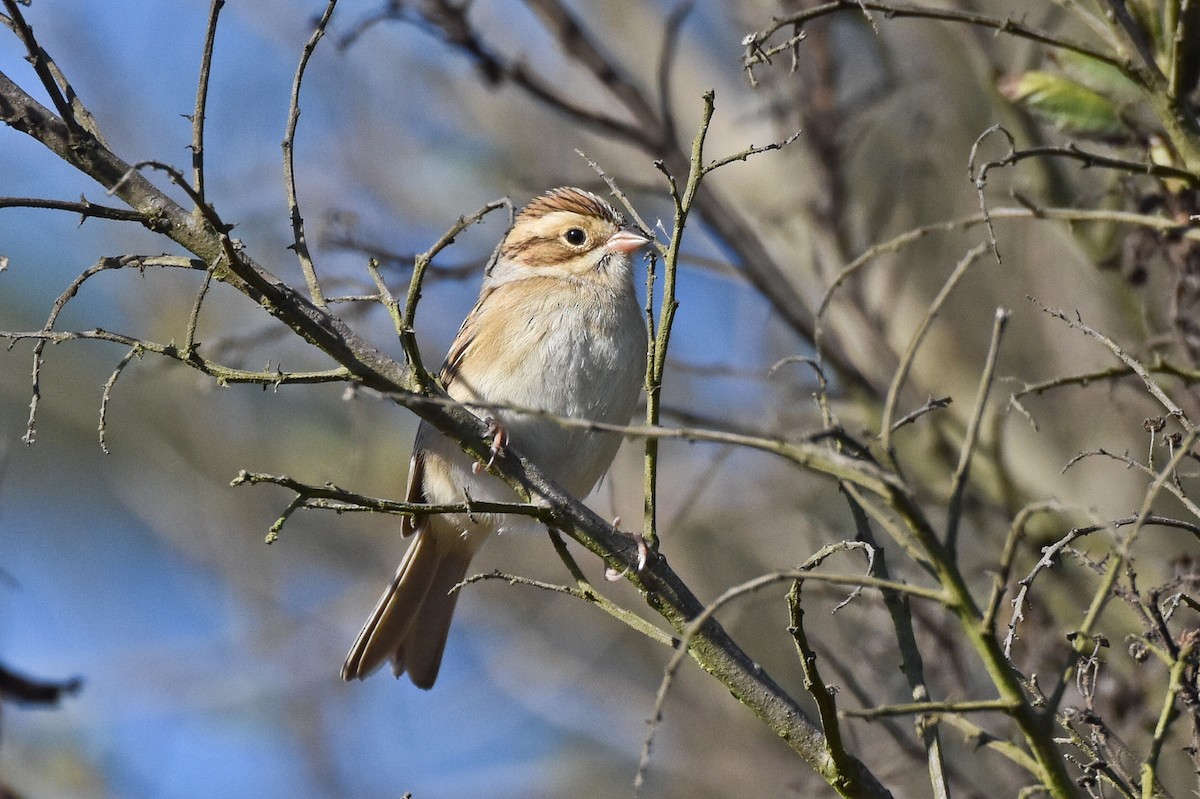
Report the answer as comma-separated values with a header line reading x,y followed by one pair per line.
x,y
206,236
300,241
880,492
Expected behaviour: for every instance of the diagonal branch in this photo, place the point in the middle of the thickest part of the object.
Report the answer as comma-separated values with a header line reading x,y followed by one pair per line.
x,y
711,647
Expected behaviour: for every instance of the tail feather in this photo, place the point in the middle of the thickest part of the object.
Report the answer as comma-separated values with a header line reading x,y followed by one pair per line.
x,y
411,621
421,652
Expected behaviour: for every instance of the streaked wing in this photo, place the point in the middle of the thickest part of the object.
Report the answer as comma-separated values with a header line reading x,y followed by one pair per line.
x,y
463,341
450,368
414,494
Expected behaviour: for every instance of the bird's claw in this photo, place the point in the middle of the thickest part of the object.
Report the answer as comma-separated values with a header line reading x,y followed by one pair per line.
x,y
499,436
612,575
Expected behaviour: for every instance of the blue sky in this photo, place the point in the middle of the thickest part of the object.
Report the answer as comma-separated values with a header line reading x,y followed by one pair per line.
x,y
117,567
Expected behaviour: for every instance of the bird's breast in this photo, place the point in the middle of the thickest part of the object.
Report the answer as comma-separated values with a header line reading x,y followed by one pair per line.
x,y
577,352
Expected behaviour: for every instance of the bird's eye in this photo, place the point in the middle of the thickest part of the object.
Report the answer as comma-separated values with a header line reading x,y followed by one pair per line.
x,y
576,237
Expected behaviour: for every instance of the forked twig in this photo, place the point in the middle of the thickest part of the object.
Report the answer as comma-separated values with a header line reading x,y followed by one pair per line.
x,y
803,573
1136,366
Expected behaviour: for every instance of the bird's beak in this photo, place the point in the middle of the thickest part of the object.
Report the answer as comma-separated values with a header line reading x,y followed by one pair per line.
x,y
626,241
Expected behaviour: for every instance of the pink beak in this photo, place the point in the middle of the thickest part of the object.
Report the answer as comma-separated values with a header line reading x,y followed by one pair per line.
x,y
625,241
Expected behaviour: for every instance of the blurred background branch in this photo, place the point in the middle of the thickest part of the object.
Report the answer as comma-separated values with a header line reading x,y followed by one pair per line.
x,y
837,251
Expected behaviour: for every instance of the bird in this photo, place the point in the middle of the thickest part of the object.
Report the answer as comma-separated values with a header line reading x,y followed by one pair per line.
x,y
557,329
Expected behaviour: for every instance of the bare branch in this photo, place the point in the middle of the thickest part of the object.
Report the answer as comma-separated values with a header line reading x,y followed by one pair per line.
x,y
299,242
404,324
71,111
920,708
83,207
1089,160
828,769
756,53
25,690
1158,366
134,352
1069,215
339,500
893,395
961,473
930,405
198,116
1151,385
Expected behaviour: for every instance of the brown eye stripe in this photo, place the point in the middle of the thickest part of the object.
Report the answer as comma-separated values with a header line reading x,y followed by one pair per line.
x,y
541,250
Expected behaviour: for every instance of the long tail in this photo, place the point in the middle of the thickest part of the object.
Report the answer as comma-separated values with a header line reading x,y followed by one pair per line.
x,y
412,619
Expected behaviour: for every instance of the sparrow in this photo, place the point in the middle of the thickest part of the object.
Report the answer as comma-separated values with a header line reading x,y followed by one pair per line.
x,y
557,328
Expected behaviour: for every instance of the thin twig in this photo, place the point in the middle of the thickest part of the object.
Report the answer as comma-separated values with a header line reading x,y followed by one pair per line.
x,y
224,375
980,179
1088,160
896,243
1016,533
332,497
963,471
1158,366
631,620
60,303
189,336
621,198
751,586
656,355
198,116
586,591
1051,553
61,94
405,326
918,708
83,207
914,344
1132,463
930,405
299,241
896,10
752,150
134,352
1155,390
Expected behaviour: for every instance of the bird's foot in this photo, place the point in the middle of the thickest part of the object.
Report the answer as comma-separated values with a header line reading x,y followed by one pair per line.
x,y
612,575
499,436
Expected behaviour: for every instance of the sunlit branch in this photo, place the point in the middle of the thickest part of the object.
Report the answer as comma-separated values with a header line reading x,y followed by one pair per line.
x,y
299,240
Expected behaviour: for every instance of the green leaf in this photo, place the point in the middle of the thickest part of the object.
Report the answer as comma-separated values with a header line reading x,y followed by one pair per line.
x,y
1102,78
1071,107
